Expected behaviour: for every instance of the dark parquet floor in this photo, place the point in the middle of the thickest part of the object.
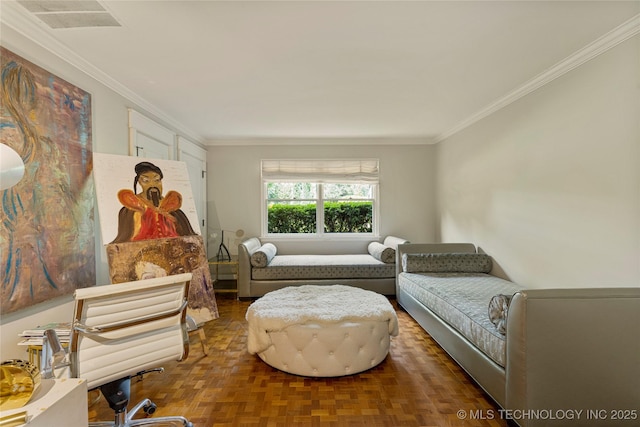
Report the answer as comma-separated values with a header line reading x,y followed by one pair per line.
x,y
418,384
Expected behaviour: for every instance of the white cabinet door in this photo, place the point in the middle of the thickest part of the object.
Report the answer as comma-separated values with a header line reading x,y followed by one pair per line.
x,y
196,159
149,139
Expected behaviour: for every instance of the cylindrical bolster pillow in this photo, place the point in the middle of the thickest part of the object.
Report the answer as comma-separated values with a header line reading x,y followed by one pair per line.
x,y
263,256
498,309
382,253
446,263
393,241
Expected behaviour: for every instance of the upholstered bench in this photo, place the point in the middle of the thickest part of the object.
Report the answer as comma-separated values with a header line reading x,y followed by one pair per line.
x,y
320,330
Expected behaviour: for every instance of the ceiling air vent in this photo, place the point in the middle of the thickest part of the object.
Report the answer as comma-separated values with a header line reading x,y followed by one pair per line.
x,y
70,13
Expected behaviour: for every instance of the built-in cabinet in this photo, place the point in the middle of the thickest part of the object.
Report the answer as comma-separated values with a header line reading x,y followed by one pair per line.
x,y
151,140
196,159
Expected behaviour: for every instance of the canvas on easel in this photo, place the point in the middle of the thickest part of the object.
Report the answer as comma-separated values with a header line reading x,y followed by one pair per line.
x,y
149,222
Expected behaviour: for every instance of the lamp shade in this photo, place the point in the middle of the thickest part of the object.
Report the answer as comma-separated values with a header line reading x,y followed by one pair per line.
x,y
11,167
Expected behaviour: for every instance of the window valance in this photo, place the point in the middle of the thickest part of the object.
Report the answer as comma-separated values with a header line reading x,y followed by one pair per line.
x,y
342,171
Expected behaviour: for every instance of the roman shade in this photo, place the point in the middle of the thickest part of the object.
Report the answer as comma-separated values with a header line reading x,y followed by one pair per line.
x,y
340,171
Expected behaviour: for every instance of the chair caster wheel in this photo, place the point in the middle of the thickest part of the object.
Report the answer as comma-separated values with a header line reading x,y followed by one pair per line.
x,y
150,408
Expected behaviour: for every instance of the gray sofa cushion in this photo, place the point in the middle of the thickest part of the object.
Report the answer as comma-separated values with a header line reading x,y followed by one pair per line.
x,y
446,263
263,256
382,253
299,267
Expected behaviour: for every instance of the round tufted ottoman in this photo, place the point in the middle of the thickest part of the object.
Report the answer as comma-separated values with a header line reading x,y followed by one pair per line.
x,y
320,330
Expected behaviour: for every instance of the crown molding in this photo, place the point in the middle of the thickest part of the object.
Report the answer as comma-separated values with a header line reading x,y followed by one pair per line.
x,y
614,37
18,18
337,140
15,16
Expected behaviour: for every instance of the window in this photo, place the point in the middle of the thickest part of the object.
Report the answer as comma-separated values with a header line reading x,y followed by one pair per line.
x,y
320,197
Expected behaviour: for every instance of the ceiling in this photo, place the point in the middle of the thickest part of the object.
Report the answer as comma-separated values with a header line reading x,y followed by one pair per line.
x,y
275,70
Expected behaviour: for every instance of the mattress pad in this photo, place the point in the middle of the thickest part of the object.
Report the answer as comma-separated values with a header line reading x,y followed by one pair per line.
x,y
462,300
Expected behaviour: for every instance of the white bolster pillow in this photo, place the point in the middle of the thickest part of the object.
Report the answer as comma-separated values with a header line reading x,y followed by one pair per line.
x,y
382,253
393,241
263,256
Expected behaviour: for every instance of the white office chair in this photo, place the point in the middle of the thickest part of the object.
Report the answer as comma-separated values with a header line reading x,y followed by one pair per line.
x,y
123,331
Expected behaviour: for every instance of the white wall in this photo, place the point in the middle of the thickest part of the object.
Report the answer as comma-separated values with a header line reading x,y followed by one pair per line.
x,y
110,135
550,185
234,186
407,190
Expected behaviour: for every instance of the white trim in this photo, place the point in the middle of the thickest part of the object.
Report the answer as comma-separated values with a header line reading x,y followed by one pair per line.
x,y
320,234
614,37
341,141
18,18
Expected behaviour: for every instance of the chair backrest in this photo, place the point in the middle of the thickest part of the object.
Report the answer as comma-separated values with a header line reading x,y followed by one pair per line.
x,y
122,329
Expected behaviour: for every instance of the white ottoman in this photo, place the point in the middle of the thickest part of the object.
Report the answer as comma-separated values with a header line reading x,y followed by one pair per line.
x,y
320,330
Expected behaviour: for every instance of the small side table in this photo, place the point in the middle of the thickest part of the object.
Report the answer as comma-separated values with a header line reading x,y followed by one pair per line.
x,y
233,266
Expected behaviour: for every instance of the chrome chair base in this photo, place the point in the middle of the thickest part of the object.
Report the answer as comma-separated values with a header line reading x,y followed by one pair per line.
x,y
117,395
125,419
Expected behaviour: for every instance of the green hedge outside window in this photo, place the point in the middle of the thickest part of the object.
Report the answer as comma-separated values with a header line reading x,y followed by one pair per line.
x,y
339,217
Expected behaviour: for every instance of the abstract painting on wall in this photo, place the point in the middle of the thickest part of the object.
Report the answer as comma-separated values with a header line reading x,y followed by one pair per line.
x,y
47,243
149,225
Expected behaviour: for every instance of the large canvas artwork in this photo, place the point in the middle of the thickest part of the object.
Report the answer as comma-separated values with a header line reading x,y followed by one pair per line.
x,y
149,225
47,246
164,257
118,180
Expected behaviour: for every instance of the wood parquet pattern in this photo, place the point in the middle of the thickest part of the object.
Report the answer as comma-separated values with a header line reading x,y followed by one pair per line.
x,y
418,384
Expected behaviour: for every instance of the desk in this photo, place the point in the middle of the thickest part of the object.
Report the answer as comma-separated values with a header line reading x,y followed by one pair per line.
x,y
232,265
60,402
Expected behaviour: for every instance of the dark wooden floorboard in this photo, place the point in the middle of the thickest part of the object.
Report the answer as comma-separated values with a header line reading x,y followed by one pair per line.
x,y
418,384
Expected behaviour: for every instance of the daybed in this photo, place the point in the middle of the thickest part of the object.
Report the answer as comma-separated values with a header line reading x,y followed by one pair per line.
x,y
564,356
261,269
